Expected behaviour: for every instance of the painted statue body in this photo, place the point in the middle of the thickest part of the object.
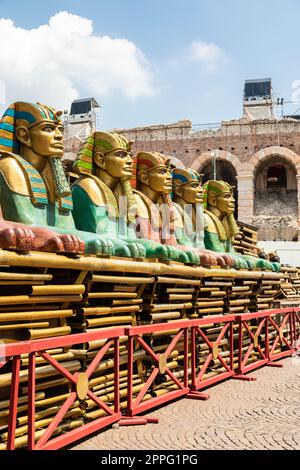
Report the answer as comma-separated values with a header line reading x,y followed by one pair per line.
x,y
34,189
103,198
221,226
189,216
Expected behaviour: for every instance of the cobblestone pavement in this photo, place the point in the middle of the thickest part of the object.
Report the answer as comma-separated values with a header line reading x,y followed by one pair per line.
x,y
239,415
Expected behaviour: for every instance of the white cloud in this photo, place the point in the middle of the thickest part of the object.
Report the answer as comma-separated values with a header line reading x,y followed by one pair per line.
x,y
62,60
208,54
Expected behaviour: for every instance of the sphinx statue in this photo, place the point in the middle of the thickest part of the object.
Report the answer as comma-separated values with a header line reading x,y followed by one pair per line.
x,y
189,216
104,201
221,227
34,189
153,192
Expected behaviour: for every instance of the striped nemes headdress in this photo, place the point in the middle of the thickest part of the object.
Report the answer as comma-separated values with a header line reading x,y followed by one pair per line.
x,y
216,188
186,175
103,142
148,161
24,114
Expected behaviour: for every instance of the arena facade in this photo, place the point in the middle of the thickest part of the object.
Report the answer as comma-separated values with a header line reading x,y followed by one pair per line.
x,y
259,154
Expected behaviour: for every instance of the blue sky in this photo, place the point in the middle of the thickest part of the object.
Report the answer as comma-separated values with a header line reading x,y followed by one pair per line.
x,y
198,53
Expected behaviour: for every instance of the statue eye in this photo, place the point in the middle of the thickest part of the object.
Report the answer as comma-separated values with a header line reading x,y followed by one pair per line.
x,y
48,129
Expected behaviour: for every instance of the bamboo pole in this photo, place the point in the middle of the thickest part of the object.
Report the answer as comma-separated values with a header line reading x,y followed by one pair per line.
x,y
15,326
123,279
25,277
108,320
41,372
60,289
26,299
35,315
164,315
93,263
48,332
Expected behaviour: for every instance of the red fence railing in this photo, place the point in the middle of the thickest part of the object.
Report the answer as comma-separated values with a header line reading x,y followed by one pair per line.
x,y
194,354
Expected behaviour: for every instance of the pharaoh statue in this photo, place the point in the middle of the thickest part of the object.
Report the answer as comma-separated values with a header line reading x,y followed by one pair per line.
x,y
189,216
221,227
154,188
104,201
34,189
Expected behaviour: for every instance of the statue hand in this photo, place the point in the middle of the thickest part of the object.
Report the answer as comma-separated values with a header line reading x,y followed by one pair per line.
x,y
137,250
66,243
240,263
156,250
194,257
263,264
208,258
17,238
276,267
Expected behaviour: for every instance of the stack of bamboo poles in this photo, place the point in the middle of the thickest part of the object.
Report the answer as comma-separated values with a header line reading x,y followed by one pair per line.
x,y
296,281
240,295
264,294
99,299
245,242
289,294
110,300
211,296
35,305
169,299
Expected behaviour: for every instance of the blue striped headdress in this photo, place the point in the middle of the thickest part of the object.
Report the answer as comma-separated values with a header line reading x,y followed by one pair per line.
x,y
23,114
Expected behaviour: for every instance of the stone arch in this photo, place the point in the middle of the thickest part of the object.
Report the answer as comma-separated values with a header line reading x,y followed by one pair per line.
x,y
206,157
264,154
276,210
244,180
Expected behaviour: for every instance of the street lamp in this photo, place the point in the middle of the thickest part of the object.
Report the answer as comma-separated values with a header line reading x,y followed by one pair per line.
x,y
214,155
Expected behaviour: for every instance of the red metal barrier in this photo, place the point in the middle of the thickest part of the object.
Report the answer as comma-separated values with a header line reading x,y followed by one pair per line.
x,y
281,321
296,328
136,405
212,351
79,387
250,327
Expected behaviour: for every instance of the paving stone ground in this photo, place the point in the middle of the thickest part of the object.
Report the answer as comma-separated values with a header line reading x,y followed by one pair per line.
x,y
239,415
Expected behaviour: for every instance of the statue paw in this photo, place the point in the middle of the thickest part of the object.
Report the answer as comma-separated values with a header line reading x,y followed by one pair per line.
x,y
65,243
194,258
122,249
182,257
137,250
16,238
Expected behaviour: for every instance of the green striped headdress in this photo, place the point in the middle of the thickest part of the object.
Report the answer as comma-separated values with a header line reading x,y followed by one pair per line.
x,y
103,142
215,187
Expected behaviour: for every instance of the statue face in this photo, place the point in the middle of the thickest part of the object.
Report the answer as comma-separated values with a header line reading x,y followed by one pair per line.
x,y
160,180
225,203
118,163
192,192
46,139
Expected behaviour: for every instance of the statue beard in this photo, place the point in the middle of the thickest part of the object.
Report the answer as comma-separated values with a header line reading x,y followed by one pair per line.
x,y
62,187
232,225
130,199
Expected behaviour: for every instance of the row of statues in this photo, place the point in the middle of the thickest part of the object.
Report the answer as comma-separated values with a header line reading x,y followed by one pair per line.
x,y
138,206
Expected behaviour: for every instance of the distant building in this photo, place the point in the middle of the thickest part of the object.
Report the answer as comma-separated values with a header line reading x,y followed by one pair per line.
x,y
259,154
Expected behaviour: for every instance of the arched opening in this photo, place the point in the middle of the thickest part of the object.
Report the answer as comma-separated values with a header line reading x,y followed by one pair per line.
x,y
225,171
275,200
276,177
